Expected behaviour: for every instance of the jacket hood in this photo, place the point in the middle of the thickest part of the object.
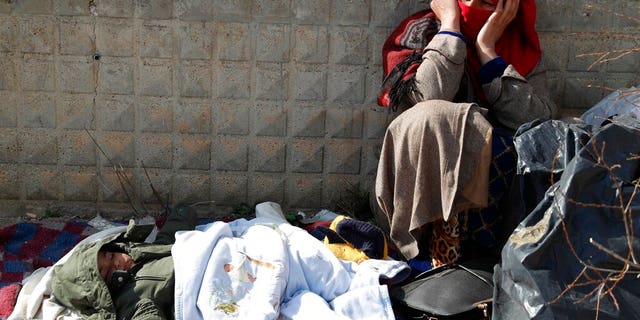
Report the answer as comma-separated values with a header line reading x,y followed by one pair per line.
x,y
77,283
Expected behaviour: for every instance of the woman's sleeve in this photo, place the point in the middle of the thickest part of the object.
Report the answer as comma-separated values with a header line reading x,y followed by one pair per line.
x,y
441,70
515,100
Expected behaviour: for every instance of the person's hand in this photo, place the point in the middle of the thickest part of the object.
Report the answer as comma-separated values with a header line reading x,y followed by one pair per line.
x,y
448,12
506,11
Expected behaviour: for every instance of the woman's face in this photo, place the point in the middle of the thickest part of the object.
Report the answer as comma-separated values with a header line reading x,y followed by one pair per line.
x,y
110,261
481,4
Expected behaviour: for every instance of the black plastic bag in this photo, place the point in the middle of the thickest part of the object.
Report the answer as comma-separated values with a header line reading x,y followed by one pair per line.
x,y
542,274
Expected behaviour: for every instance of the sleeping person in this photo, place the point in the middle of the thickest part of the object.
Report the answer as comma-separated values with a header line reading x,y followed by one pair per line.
x,y
121,276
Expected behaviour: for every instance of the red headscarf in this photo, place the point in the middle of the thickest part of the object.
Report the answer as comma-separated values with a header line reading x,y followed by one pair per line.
x,y
519,46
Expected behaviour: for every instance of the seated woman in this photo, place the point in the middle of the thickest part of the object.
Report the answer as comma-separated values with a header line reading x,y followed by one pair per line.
x,y
464,75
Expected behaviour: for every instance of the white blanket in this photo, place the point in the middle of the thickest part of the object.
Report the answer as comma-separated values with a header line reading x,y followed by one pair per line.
x,y
266,268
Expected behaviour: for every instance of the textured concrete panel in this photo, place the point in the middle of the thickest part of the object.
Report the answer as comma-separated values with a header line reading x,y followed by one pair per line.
x,y
343,156
234,80
377,121
195,40
119,148
33,6
38,74
76,75
39,110
229,189
266,188
154,9
272,81
306,156
155,151
311,44
304,192
193,152
9,182
76,36
9,113
76,111
114,8
79,185
310,83
160,180
273,44
116,113
312,11
155,114
556,55
268,155
38,146
273,10
232,9
234,41
73,7
194,79
8,78
194,10
230,153
555,15
307,122
270,121
77,148
384,13
344,123
8,33
192,188
346,85
111,182
115,76
155,78
41,183
37,34
581,98
156,40
350,12
9,146
371,155
350,45
192,117
114,37
231,117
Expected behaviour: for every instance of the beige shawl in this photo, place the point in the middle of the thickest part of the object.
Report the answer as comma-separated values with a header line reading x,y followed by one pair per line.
x,y
434,163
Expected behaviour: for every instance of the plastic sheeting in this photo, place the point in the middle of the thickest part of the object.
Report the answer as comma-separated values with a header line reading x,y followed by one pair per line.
x,y
621,101
538,264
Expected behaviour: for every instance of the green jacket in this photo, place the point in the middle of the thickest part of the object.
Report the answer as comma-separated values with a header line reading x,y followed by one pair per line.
x,y
148,294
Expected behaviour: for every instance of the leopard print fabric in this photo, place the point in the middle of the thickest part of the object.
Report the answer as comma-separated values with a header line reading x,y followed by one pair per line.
x,y
446,237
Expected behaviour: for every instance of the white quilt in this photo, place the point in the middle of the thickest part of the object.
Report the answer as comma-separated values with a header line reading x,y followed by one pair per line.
x,y
268,269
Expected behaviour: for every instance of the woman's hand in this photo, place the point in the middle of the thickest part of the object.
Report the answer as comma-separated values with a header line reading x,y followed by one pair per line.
x,y
492,30
448,12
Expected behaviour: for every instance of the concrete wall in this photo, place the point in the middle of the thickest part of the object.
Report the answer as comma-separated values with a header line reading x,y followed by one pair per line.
x,y
230,101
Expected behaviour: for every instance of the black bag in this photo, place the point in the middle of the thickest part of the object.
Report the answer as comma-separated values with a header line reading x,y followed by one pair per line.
x,y
456,291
